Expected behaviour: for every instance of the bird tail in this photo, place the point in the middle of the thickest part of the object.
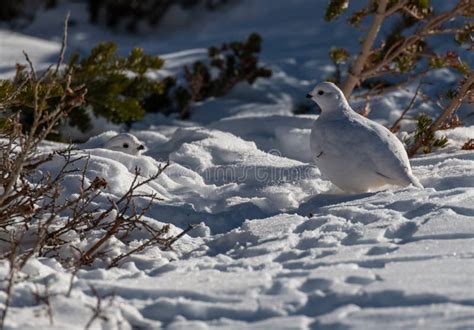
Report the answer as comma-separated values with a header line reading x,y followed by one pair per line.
x,y
414,181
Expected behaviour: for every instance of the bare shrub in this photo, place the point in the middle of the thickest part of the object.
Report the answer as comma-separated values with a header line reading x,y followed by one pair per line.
x,y
35,218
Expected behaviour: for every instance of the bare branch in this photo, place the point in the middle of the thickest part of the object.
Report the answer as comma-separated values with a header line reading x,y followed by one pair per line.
x,y
355,73
63,43
10,279
399,5
363,69
396,125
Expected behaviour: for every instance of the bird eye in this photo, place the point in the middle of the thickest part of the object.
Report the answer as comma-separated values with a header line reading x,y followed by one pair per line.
x,y
320,92
125,145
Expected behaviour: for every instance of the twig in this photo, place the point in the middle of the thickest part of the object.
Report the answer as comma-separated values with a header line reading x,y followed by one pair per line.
x,y
181,234
45,299
155,239
396,125
396,7
356,71
63,43
11,280
87,257
30,64
96,310
380,89
71,281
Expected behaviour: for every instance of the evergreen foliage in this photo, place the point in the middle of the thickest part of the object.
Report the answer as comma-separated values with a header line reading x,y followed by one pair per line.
x,y
425,136
335,8
234,62
118,88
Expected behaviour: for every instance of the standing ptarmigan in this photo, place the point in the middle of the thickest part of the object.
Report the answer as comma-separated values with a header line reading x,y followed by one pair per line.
x,y
353,152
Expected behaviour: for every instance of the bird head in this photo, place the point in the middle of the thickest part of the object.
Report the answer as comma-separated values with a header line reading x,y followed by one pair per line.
x,y
126,143
328,96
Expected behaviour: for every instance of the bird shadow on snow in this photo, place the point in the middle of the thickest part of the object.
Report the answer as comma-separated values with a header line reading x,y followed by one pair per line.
x,y
313,204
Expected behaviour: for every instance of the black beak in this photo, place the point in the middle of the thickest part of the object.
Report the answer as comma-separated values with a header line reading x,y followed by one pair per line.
x,y
309,96
141,147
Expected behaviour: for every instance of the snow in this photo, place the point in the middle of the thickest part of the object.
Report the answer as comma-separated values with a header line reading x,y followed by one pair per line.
x,y
277,246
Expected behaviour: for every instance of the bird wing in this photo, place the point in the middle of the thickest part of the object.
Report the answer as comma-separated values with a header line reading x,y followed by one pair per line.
x,y
386,151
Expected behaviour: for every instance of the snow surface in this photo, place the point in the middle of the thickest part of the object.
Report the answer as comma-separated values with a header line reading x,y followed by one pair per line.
x,y
277,247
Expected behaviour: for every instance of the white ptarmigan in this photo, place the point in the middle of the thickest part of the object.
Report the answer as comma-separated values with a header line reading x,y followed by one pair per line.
x,y
126,143
354,153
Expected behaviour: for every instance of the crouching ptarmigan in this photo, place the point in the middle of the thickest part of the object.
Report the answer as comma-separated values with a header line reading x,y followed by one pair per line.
x,y
353,152
126,143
